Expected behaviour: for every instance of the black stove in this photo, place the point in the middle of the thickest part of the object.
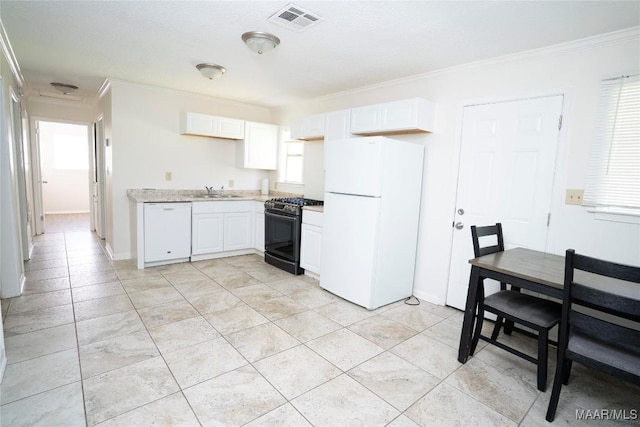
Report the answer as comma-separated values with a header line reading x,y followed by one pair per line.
x,y
283,228
291,205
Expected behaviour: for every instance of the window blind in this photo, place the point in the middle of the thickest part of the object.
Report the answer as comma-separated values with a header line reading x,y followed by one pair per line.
x,y
613,175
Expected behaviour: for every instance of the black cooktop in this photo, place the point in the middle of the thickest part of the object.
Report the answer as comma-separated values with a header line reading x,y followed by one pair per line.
x,y
297,201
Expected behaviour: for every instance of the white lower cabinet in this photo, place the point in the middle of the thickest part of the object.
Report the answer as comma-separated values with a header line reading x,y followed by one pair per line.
x,y
167,229
311,241
259,225
207,233
221,226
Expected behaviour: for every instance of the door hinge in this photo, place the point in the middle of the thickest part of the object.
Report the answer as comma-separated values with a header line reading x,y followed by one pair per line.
x,y
41,217
548,219
560,122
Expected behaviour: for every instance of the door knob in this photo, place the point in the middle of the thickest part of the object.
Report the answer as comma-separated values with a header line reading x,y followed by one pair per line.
x,y
459,226
460,211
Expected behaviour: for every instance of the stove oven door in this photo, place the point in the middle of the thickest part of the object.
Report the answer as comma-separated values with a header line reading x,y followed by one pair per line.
x,y
282,236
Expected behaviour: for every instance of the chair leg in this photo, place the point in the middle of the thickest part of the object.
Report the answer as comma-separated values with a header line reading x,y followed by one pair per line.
x,y
478,330
567,371
555,392
508,327
543,347
496,328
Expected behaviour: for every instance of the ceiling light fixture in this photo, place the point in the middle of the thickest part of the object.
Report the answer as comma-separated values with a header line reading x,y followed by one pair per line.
x,y
64,87
260,42
211,71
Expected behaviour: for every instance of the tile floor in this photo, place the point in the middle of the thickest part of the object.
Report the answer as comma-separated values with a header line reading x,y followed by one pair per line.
x,y
237,342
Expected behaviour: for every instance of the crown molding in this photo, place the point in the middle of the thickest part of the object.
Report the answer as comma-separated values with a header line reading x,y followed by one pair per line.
x,y
620,36
7,50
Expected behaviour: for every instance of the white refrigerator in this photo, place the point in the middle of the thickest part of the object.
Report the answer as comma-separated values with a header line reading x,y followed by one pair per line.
x,y
371,212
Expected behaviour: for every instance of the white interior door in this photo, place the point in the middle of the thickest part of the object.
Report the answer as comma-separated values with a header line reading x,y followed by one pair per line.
x,y
507,163
99,191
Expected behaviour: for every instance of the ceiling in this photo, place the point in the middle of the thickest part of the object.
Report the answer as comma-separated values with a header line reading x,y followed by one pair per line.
x,y
358,43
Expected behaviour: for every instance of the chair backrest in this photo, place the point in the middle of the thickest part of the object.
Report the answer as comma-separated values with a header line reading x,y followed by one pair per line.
x,y
623,303
489,230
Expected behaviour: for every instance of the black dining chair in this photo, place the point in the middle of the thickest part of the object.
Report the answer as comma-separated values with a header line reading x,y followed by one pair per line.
x,y
513,307
585,337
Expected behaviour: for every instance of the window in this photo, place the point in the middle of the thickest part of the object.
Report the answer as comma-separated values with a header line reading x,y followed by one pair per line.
x,y
613,177
291,159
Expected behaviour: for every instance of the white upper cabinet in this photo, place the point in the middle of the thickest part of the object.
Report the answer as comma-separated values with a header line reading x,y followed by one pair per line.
x,y
308,127
337,125
409,115
259,149
206,125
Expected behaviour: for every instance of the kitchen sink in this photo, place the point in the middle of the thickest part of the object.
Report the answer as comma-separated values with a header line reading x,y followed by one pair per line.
x,y
216,196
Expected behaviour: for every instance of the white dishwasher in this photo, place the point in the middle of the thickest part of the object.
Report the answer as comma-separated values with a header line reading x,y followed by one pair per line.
x,y
167,231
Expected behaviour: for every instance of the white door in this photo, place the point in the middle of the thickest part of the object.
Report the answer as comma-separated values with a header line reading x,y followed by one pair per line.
x,y
507,163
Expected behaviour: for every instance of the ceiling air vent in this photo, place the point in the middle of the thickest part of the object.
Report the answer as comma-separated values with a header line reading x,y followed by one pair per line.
x,y
295,18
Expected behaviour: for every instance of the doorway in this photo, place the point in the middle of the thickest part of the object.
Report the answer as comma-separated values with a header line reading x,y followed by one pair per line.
x,y
506,174
64,181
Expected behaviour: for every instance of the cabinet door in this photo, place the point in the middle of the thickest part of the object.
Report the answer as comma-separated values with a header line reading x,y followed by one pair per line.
x,y
207,233
237,231
259,232
198,124
337,127
167,231
366,119
230,128
399,115
311,248
260,149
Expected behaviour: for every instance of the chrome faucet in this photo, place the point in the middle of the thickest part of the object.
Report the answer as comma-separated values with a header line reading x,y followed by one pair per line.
x,y
209,189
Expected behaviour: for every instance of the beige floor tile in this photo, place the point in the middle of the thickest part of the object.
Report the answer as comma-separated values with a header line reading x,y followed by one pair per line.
x,y
508,395
114,353
172,410
261,341
236,280
21,323
289,285
382,331
441,310
201,362
266,274
152,297
283,416
34,376
116,392
40,343
278,308
402,421
215,301
106,327
62,406
395,380
344,401
307,325
448,332
182,267
412,316
159,315
446,406
87,259
255,293
47,285
94,267
40,301
198,288
32,265
145,283
185,333
344,348
100,307
218,271
314,297
296,371
183,276
86,279
43,256
434,357
102,290
234,398
235,319
146,273
49,273
344,312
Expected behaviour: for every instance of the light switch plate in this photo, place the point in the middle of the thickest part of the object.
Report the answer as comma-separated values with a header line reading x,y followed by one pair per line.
x,y
574,197
230,183
168,176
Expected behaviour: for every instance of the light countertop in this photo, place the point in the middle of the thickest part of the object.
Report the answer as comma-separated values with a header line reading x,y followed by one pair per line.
x,y
150,195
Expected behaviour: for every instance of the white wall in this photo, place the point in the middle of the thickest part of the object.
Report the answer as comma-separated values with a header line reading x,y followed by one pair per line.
x,y
67,190
146,144
573,69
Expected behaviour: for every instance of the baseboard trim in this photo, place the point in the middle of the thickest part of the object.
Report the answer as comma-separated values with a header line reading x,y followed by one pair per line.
x,y
3,365
429,298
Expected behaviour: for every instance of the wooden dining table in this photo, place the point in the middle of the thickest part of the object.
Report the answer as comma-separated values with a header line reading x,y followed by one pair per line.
x,y
535,271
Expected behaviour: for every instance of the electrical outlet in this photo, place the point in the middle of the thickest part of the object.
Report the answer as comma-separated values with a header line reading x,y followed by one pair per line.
x,y
168,176
230,183
574,197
